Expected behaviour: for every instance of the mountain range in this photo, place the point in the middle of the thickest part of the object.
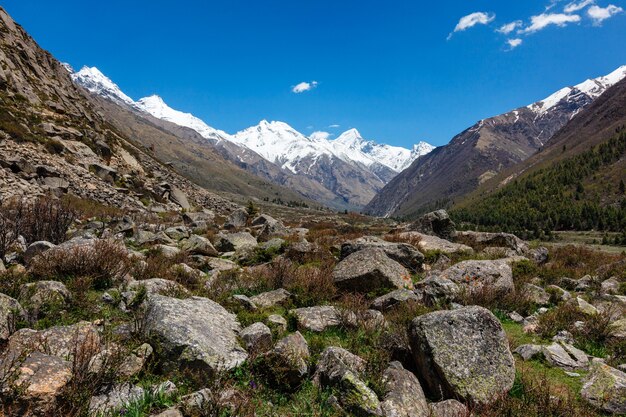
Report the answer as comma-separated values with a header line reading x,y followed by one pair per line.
x,y
345,172
450,172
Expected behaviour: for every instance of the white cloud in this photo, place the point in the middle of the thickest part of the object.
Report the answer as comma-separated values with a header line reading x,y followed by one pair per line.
x,y
471,20
319,135
303,86
599,14
509,27
574,7
335,126
514,43
552,4
544,20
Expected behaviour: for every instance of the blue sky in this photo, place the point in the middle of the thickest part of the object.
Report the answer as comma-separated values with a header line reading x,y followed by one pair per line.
x,y
396,70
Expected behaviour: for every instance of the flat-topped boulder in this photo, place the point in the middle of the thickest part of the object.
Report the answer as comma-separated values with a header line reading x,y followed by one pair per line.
x,y
477,276
403,253
370,270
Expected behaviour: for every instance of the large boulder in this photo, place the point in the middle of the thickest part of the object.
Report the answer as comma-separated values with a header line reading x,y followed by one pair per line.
x,y
257,337
317,319
436,223
36,248
437,290
42,297
370,270
341,370
403,253
287,364
39,379
605,389
463,354
194,332
198,245
480,240
429,243
478,276
234,241
404,395
10,313
238,218
268,227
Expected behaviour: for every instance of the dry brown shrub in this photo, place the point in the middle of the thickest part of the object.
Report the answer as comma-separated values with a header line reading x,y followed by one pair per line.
x,y
104,261
493,299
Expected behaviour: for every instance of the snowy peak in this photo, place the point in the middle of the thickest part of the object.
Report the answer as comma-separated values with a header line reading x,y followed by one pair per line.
x,y
96,82
593,88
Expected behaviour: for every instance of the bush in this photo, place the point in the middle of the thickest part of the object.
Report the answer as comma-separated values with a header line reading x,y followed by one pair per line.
x,y
104,262
44,219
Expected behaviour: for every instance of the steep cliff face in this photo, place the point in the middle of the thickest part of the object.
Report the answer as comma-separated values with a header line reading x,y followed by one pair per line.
x,y
480,152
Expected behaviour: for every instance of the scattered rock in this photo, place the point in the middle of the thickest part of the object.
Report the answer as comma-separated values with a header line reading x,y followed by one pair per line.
x,y
477,276
403,253
393,299
233,241
370,270
436,223
610,286
287,364
272,298
583,306
528,352
462,353
277,322
317,319
556,355
114,399
10,313
36,248
42,297
257,337
158,286
484,239
536,294
428,243
404,395
437,290
605,389
236,219
195,332
198,245
448,408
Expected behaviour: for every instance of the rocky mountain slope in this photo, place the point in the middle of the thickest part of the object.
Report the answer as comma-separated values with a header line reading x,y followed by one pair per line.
x,y
480,152
343,173
575,182
53,139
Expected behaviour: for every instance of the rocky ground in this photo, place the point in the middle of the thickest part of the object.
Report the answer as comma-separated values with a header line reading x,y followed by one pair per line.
x,y
193,313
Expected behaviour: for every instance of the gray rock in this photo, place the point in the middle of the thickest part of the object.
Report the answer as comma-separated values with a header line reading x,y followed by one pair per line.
x,y
436,223
333,363
36,248
269,227
428,243
605,389
341,370
317,319
198,220
462,354
236,219
610,286
277,322
40,380
245,301
449,408
477,276
394,299
287,364
195,332
10,313
114,399
403,253
257,337
559,292
583,306
177,232
404,395
483,239
516,317
168,251
42,296
437,290
536,294
370,270
556,355
528,352
233,241
158,286
135,361
198,245
539,255
272,298
176,195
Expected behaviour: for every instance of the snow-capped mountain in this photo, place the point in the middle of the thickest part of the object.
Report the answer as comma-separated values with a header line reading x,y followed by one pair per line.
x,y
155,106
480,152
589,89
348,170
98,83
